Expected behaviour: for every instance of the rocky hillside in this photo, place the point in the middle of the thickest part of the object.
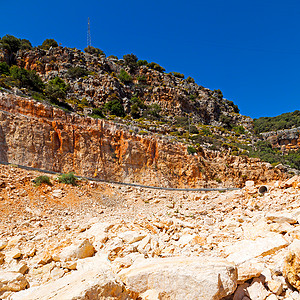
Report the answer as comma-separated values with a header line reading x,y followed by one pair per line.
x,y
157,118
94,80
104,241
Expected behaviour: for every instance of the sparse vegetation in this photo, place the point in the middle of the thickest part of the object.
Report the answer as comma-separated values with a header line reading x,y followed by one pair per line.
x,y
68,178
42,179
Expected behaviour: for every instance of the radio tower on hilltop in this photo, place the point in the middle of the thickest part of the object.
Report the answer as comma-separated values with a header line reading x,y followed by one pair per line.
x,y
89,40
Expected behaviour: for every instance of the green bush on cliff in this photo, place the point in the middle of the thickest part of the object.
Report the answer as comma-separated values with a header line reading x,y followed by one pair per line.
x,y
25,45
124,76
130,60
178,75
152,112
10,43
77,72
97,113
156,67
56,89
142,63
4,68
26,79
115,107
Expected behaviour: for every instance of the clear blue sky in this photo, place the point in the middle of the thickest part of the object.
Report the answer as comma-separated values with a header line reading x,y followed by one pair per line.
x,y
250,49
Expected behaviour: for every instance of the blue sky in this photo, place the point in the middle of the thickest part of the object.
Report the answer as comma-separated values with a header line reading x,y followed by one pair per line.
x,y
248,49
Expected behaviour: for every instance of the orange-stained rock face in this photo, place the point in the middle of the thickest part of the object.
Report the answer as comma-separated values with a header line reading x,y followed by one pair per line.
x,y
41,136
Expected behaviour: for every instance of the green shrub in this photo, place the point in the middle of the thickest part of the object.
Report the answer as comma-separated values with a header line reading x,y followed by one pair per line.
x,y
124,76
68,178
226,120
239,129
234,106
115,107
130,60
178,75
48,43
191,150
97,113
218,93
205,131
77,72
152,112
190,80
142,63
142,79
194,129
156,67
25,45
42,179
26,79
4,68
113,56
56,89
94,51
10,43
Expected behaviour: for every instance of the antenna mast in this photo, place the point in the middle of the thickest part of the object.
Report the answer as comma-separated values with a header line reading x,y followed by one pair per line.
x,y
89,40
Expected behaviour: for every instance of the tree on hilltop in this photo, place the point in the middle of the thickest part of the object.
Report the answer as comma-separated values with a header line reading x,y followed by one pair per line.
x,y
48,43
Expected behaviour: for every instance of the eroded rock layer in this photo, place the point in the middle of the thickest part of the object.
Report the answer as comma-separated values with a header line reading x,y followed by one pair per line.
x,y
42,136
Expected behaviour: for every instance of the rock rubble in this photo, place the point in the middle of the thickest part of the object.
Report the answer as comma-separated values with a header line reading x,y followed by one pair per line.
x,y
104,241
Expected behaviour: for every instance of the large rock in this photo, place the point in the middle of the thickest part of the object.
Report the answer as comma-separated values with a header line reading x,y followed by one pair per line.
x,y
78,250
291,268
93,282
182,277
246,250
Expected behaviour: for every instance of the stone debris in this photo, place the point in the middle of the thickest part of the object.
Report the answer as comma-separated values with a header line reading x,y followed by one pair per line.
x,y
97,242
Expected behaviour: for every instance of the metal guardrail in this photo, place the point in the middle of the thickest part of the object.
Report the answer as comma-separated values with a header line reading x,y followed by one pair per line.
x,y
123,183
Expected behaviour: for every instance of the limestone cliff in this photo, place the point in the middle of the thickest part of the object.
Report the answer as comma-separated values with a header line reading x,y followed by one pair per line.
x,y
42,136
287,139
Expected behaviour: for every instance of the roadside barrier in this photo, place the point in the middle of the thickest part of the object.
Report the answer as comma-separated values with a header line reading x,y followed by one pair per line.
x,y
124,183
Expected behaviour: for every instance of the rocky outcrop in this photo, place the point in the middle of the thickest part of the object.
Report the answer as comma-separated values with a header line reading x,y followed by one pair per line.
x,y
176,97
286,140
42,136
